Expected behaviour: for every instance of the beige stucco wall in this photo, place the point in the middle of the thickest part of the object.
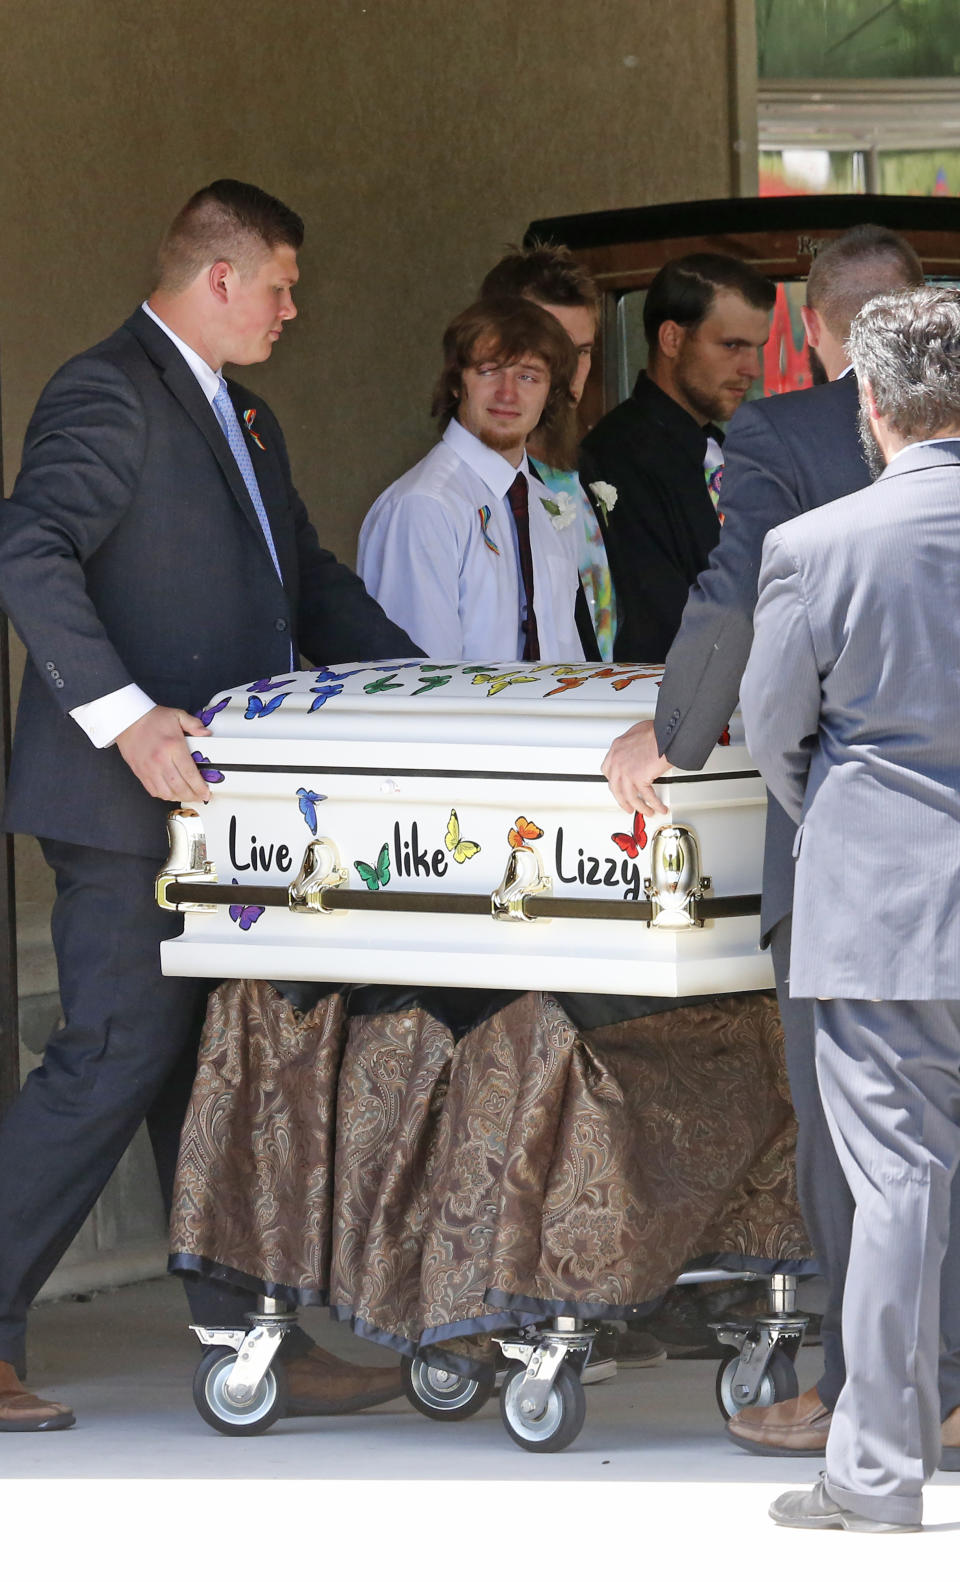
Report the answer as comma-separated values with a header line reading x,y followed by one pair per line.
x,y
416,137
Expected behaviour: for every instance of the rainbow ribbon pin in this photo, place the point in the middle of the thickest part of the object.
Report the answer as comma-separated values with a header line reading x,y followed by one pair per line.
x,y
484,514
248,418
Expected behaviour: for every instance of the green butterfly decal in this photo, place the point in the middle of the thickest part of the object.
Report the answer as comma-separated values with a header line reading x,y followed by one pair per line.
x,y
383,684
379,877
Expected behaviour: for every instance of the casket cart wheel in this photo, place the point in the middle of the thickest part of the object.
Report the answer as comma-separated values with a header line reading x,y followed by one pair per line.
x,y
779,1383
561,1420
255,1416
441,1394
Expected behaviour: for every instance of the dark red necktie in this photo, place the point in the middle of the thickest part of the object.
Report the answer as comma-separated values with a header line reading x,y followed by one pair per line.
x,y
517,500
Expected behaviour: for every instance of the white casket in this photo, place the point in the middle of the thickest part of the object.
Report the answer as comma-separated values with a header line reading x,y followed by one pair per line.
x,y
449,825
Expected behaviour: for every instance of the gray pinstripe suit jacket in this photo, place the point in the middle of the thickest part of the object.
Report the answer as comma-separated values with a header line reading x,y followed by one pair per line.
x,y
851,700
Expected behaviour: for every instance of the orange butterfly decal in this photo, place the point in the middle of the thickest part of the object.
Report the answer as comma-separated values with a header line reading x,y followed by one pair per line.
x,y
633,844
523,830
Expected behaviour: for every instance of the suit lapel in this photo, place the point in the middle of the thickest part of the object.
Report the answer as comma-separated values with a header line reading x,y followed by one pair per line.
x,y
181,382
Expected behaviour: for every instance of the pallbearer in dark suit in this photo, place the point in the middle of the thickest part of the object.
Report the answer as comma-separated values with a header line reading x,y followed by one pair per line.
x,y
850,707
154,552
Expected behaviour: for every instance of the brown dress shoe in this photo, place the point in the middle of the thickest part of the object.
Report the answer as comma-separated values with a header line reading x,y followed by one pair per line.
x,y
24,1413
950,1440
321,1385
787,1428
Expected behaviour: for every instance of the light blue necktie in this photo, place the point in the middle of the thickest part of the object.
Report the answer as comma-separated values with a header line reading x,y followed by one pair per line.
x,y
223,407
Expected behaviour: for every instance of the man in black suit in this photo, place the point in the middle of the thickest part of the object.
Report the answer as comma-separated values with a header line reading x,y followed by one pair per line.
x,y
154,551
783,456
705,318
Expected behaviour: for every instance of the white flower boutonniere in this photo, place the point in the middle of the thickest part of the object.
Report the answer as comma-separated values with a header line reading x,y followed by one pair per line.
x,y
606,497
563,509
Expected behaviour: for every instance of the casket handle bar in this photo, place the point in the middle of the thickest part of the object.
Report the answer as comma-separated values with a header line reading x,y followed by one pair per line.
x,y
188,883
523,878
675,889
186,863
320,871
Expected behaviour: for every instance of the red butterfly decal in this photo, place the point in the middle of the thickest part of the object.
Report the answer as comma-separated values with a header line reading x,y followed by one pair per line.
x,y
633,844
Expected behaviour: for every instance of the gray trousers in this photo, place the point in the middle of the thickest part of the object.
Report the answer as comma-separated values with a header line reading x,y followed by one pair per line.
x,y
889,1076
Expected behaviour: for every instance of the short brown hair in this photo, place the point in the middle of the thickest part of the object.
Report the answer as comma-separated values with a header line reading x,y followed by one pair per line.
x,y
230,221
548,274
860,264
685,289
509,328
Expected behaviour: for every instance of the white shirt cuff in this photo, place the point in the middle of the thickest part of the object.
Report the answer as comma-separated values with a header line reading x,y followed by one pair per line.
x,y
105,718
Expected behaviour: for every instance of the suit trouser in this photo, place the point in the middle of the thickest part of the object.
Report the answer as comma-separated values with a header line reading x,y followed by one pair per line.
x,y
822,1188
890,1078
125,1052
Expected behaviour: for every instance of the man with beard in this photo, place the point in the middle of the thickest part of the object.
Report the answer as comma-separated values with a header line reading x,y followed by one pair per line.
x,y
705,317
469,550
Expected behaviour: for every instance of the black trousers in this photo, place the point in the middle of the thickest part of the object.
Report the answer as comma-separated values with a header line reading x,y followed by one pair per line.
x,y
126,1052
825,1197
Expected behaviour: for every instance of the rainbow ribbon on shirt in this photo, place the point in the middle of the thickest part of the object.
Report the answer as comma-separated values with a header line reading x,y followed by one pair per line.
x,y
484,514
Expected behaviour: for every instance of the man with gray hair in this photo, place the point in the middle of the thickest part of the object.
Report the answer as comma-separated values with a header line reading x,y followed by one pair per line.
x,y
850,704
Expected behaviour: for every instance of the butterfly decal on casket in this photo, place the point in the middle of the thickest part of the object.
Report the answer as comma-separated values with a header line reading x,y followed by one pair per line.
x,y
462,850
376,878
307,803
205,716
523,830
632,844
256,709
208,773
246,916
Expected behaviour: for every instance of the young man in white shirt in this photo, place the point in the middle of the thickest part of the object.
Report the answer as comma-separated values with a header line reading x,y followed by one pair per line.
x,y
445,550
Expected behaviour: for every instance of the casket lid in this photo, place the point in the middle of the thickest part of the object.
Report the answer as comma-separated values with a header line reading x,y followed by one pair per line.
x,y
300,704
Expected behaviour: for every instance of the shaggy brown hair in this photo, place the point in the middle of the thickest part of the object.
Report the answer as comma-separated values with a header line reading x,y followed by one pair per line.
x,y
503,330
546,273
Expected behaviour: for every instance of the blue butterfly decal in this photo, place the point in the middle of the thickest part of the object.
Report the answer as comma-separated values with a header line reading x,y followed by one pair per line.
x,y
266,685
206,715
213,777
246,916
323,695
325,674
256,708
307,802
379,877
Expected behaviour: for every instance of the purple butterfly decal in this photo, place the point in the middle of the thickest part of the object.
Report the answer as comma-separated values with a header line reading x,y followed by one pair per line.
x,y
266,685
323,696
206,715
246,916
256,708
307,802
213,777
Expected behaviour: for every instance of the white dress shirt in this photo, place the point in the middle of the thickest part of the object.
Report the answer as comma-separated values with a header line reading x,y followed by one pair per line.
x,y
438,551
105,718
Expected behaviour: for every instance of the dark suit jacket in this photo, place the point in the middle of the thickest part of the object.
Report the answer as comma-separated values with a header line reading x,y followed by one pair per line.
x,y
782,456
130,551
663,526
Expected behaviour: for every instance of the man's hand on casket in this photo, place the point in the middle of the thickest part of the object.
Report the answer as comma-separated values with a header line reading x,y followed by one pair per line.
x,y
155,748
631,766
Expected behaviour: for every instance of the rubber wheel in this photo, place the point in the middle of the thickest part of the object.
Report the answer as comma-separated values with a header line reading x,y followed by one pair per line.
x,y
779,1383
561,1419
230,1417
440,1393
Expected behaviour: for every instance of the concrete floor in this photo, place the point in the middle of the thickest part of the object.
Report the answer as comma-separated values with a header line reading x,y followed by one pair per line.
x,y
652,1481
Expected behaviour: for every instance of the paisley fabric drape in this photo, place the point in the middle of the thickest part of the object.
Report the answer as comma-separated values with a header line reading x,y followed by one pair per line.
x,y
432,1190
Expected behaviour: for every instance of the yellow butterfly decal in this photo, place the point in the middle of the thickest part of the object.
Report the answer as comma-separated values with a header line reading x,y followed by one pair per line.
x,y
462,850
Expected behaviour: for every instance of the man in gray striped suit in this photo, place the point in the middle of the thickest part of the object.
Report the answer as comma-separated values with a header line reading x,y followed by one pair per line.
x,y
850,700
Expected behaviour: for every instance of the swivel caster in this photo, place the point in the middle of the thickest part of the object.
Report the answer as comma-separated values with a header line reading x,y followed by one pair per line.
x,y
560,1421
778,1383
440,1393
211,1398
